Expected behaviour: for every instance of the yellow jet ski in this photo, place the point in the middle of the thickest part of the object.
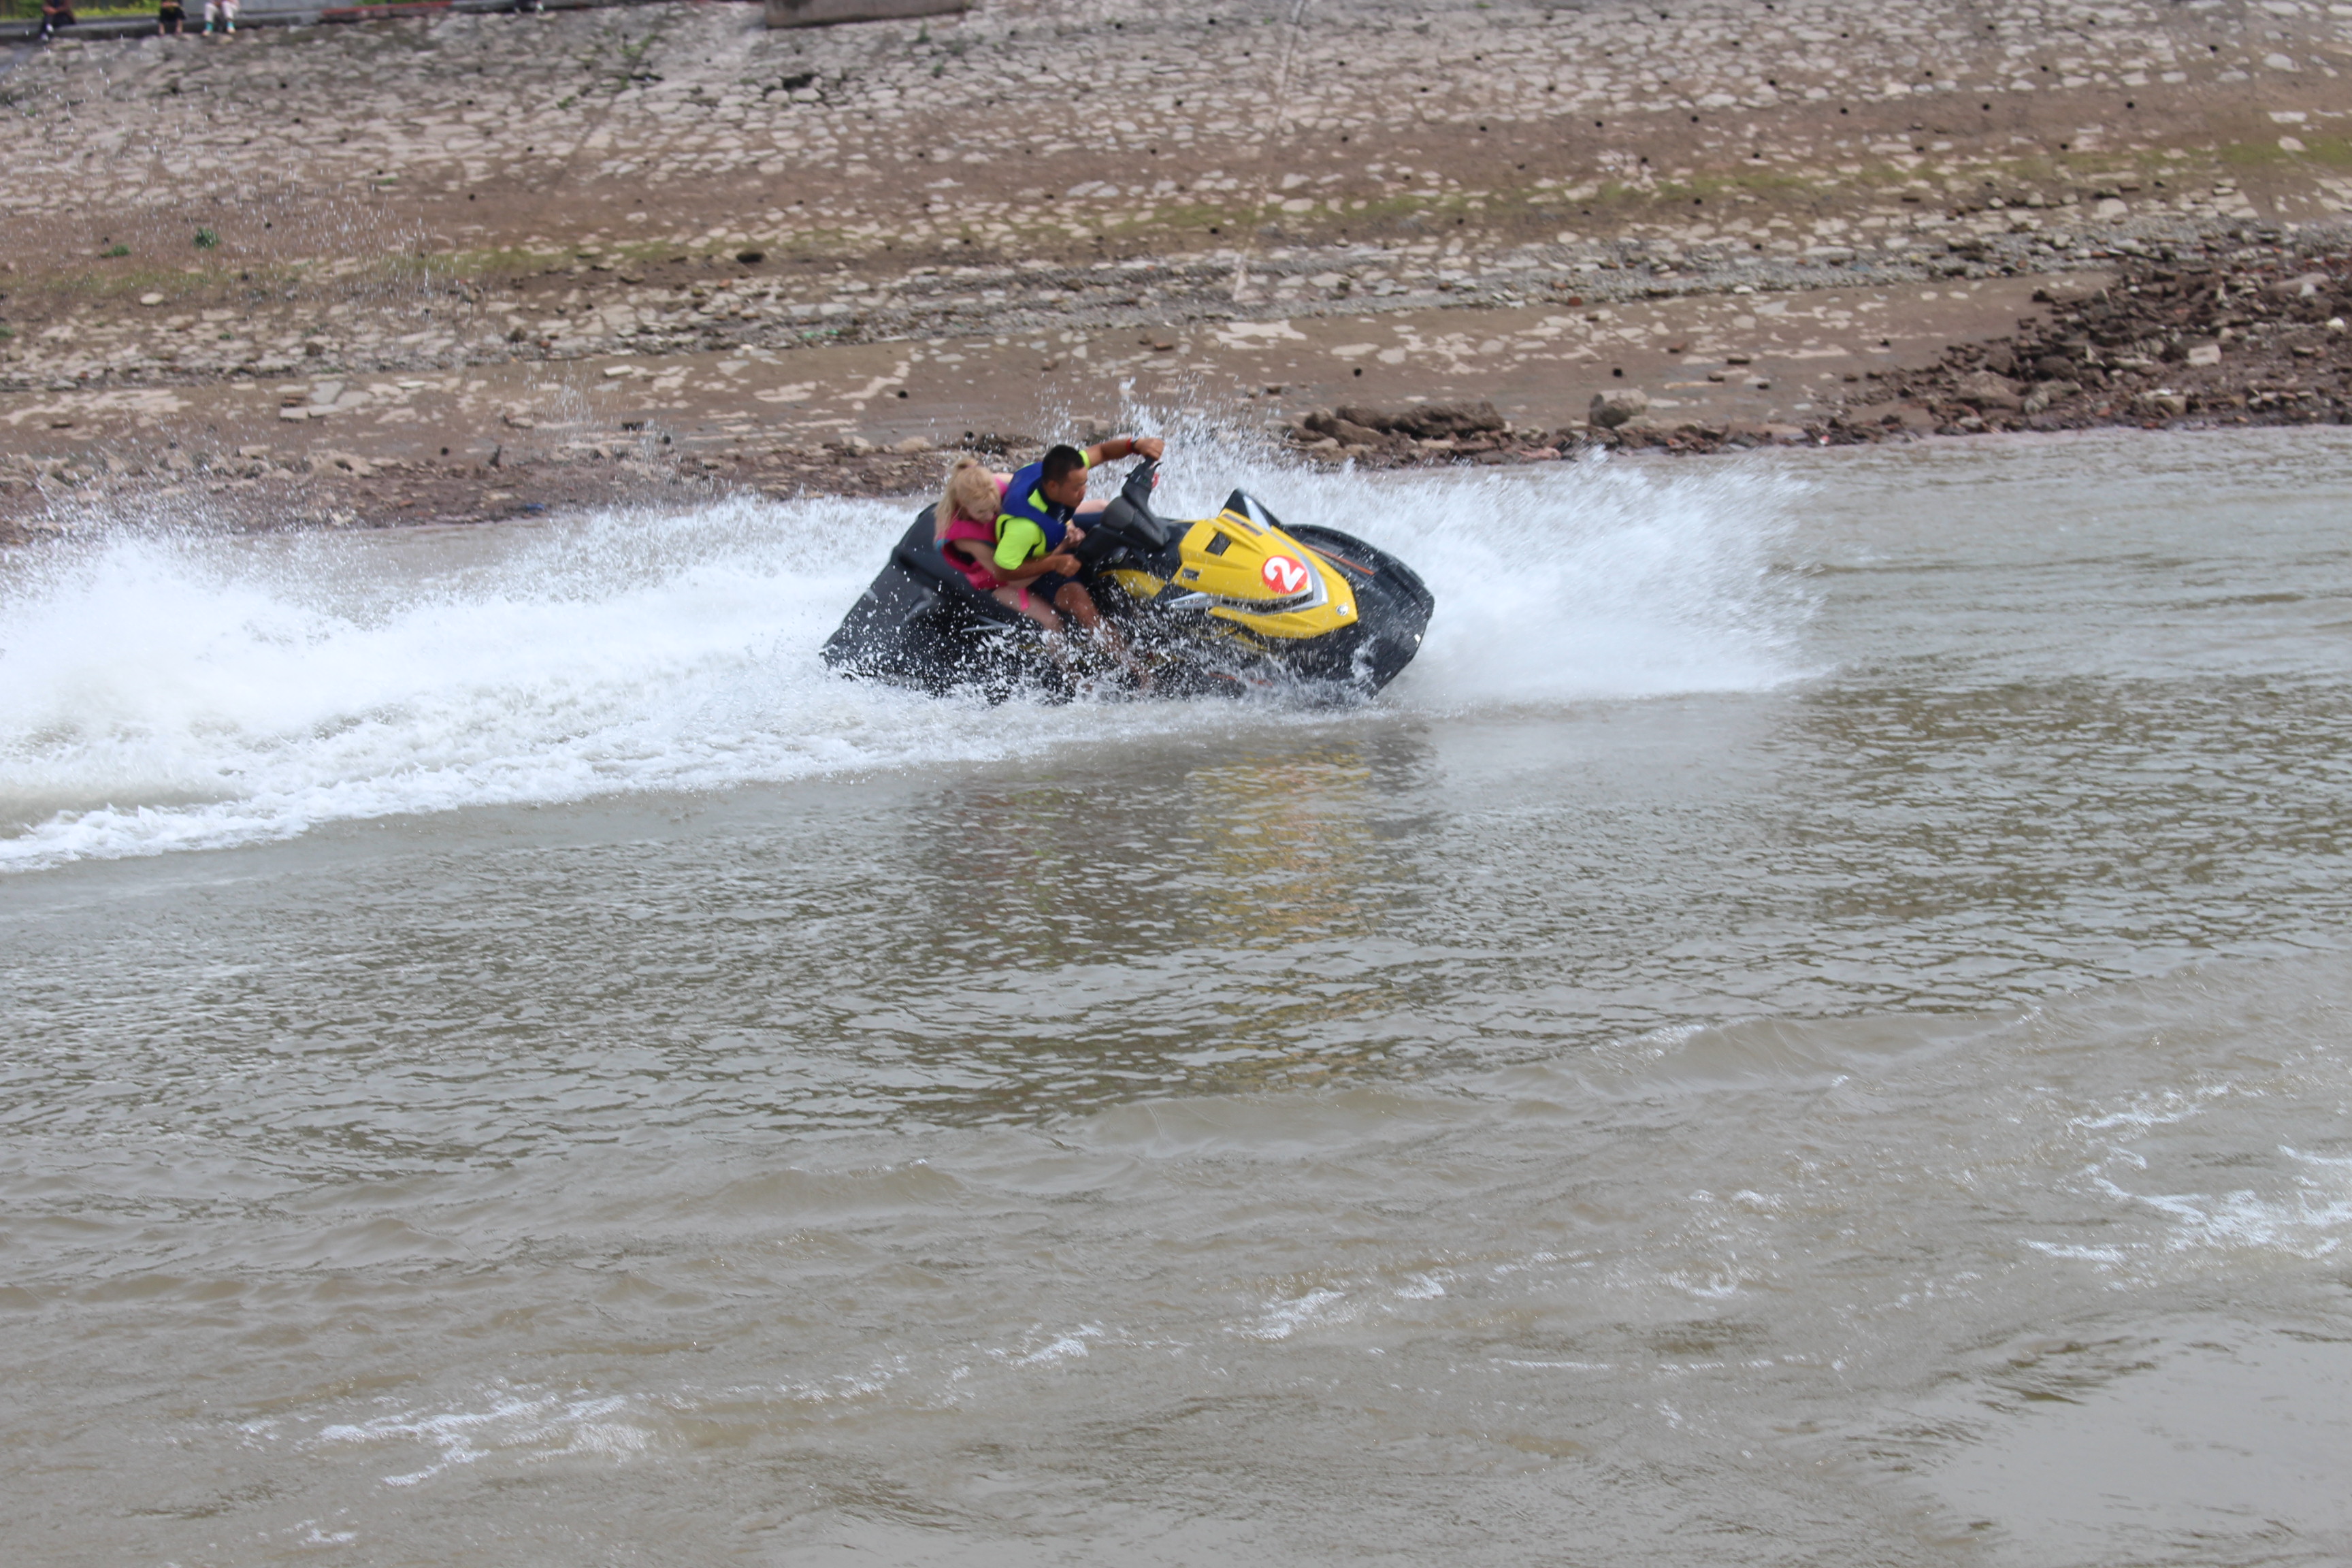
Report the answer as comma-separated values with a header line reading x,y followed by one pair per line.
x,y
1228,604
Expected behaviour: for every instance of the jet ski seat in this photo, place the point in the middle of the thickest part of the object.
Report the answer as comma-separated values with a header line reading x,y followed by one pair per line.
x,y
922,554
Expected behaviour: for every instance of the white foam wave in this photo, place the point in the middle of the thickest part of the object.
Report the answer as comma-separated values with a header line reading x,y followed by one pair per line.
x,y
2306,1223
520,1426
163,690
1281,1320
1610,581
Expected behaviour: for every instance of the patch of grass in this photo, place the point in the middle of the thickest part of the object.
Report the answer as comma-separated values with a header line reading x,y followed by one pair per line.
x,y
2330,151
7,333
113,250
486,268
30,11
207,240
128,279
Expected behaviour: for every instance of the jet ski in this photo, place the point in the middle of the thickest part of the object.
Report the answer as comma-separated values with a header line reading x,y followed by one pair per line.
x,y
1225,604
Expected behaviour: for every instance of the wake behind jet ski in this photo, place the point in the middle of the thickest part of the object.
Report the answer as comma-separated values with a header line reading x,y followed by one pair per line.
x,y
1222,605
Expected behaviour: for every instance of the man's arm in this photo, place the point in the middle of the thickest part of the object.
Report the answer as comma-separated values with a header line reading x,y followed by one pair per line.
x,y
1067,565
1012,563
1016,539
1118,447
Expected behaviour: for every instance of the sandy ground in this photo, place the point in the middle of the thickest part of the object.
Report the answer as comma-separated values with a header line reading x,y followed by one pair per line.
x,y
668,244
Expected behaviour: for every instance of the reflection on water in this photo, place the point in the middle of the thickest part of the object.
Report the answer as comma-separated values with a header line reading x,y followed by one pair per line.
x,y
1286,852
1088,936
1745,1120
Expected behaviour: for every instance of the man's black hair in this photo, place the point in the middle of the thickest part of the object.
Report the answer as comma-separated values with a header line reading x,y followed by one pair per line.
x,y
1060,460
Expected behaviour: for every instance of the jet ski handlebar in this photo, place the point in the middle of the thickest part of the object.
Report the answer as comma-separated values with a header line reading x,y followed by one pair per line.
x,y
1128,523
1141,480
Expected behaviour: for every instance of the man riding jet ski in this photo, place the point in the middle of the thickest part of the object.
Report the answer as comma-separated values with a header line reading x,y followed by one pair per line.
x,y
1225,604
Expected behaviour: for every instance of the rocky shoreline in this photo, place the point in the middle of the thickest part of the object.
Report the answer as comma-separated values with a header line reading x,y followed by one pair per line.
x,y
2189,336
2198,337
2241,338
463,266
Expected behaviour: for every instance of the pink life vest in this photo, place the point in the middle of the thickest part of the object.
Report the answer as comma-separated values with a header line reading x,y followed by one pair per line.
x,y
982,580
960,527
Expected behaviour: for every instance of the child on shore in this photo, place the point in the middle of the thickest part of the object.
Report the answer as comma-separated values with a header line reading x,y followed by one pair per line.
x,y
225,11
170,17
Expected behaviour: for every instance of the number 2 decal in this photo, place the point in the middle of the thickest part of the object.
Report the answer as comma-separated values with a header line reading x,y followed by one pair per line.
x,y
1285,575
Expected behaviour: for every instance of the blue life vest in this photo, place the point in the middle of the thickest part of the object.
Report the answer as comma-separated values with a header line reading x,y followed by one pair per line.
x,y
1024,498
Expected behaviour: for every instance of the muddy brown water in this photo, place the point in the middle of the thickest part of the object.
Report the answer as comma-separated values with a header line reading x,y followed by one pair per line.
x,y
1811,1025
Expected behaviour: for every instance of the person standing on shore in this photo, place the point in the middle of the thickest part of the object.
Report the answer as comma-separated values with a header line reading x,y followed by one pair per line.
x,y
55,14
226,10
170,17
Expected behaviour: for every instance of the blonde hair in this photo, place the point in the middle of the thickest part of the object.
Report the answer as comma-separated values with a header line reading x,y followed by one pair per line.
x,y
971,492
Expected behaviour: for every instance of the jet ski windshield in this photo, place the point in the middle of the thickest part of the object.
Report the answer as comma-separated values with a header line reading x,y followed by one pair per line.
x,y
1242,504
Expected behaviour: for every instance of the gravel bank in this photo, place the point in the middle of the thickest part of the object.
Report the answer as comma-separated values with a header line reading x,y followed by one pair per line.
x,y
503,198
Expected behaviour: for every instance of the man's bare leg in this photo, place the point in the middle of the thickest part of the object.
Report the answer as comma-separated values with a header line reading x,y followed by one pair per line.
x,y
1074,602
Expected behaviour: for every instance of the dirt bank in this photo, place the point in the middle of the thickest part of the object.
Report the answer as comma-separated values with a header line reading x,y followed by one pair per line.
x,y
546,238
